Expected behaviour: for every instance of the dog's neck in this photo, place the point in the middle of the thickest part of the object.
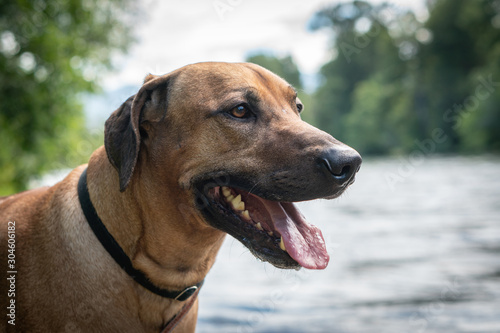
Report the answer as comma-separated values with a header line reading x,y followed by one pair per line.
x,y
165,239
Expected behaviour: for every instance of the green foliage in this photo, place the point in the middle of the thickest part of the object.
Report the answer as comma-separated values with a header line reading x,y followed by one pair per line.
x,y
477,35
396,80
375,127
366,79
49,52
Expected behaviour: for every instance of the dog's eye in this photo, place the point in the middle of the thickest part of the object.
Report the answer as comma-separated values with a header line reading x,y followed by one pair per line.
x,y
300,107
240,111
299,104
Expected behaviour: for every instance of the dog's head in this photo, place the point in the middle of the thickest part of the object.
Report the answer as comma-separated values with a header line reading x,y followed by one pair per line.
x,y
229,137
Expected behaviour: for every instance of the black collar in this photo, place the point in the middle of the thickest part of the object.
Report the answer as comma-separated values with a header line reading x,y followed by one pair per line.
x,y
116,251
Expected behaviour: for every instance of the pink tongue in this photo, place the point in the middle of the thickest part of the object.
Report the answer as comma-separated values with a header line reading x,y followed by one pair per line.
x,y
303,241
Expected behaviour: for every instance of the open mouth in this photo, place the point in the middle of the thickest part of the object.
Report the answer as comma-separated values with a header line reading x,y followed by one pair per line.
x,y
274,231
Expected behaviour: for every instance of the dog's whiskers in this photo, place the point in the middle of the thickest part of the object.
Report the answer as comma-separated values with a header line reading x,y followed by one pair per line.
x,y
254,186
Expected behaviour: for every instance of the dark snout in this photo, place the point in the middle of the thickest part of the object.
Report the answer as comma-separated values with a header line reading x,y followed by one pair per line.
x,y
341,164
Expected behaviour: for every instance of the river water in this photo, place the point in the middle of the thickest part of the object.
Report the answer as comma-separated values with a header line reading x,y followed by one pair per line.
x,y
414,246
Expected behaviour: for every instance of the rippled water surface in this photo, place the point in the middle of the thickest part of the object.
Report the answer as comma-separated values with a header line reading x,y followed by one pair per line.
x,y
414,248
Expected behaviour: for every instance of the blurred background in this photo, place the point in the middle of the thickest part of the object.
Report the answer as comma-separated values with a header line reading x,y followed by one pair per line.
x,y
414,86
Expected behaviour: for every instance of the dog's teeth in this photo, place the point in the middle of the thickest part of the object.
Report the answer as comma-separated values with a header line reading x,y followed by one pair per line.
x,y
282,245
259,226
229,198
270,233
226,191
237,200
237,203
246,215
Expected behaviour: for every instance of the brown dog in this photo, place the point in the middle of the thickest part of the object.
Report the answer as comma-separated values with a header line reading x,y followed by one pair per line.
x,y
209,149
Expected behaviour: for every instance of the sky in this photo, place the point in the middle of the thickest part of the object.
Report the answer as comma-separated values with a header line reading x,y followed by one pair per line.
x,y
174,33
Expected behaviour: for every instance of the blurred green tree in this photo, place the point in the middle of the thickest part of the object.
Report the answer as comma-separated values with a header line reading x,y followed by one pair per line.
x,y
463,55
363,82
50,51
395,80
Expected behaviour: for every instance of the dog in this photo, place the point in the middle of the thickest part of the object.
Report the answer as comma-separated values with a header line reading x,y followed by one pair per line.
x,y
124,243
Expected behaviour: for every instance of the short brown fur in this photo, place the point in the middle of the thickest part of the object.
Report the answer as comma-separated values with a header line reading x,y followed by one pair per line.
x,y
67,282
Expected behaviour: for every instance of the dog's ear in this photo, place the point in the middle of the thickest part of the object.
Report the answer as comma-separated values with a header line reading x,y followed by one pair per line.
x,y
122,137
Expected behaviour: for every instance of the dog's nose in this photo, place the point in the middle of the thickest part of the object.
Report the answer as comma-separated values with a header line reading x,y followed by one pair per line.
x,y
341,164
